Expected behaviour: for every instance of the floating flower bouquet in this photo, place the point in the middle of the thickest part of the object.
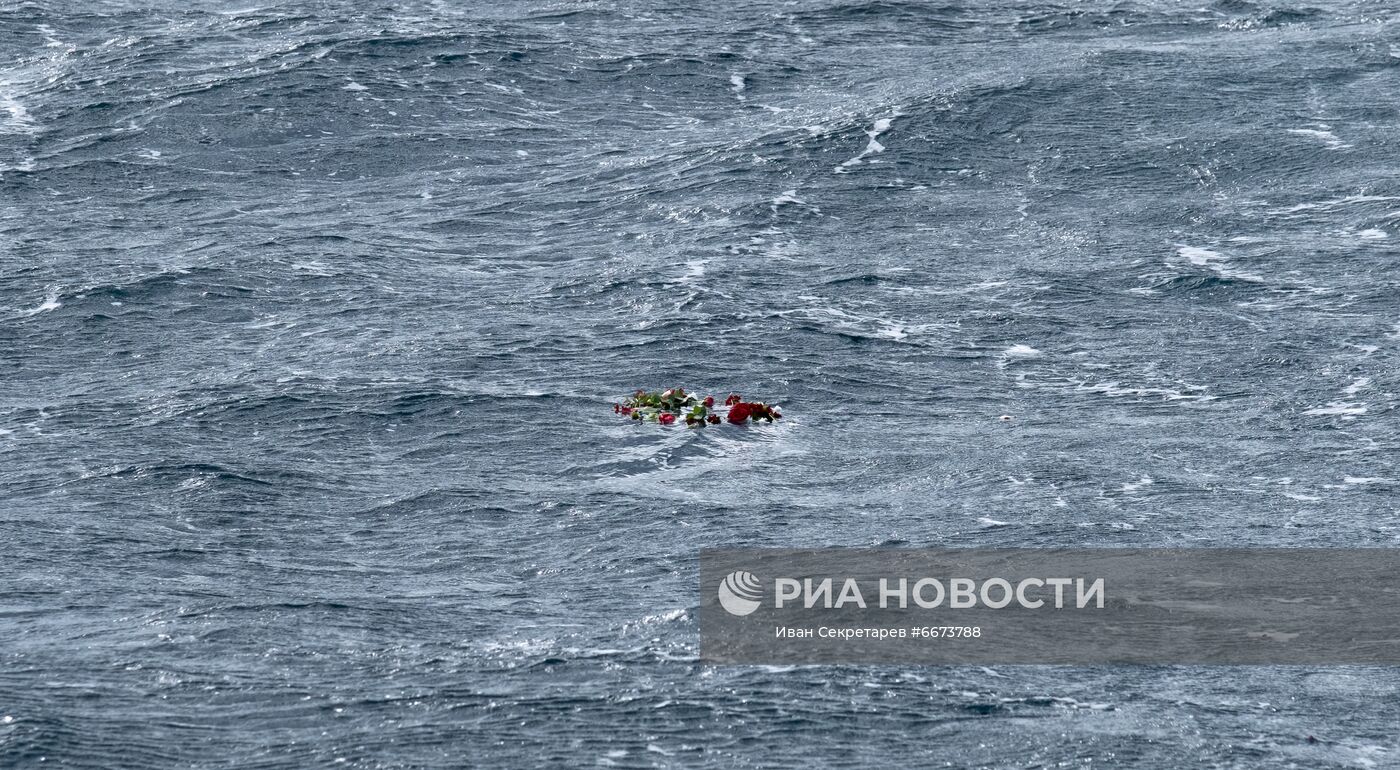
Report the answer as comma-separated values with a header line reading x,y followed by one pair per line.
x,y
668,406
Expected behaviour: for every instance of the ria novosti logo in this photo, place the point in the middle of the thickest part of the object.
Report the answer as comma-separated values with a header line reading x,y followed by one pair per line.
x,y
740,593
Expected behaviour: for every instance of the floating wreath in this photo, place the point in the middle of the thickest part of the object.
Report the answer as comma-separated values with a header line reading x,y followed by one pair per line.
x,y
668,406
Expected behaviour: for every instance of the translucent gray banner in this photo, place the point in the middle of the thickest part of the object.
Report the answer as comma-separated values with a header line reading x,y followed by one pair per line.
x,y
1034,606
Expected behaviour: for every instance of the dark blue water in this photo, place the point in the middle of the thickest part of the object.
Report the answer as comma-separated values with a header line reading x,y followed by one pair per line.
x,y
312,313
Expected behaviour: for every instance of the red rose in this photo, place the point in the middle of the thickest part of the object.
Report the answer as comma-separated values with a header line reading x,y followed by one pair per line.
x,y
739,412
667,418
626,410
713,419
709,402
732,400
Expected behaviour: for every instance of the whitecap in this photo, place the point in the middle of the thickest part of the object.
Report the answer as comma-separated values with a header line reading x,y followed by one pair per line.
x,y
1364,480
788,196
892,332
14,116
353,86
50,303
1117,389
1373,234
874,146
1020,351
1136,485
1343,408
1214,260
738,84
1199,256
873,326
989,523
1333,143
1356,385
1350,200
25,165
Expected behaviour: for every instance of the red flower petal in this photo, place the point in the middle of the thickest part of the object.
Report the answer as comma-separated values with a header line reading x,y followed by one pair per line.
x,y
738,413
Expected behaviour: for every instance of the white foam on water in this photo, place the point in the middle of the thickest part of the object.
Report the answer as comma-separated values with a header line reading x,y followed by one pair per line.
x,y
1215,261
738,84
611,759
988,523
1333,143
1350,200
788,196
1020,351
874,147
27,164
50,36
1134,486
1114,388
1199,256
892,332
14,116
1373,234
875,326
694,271
353,86
50,303
1364,480
1356,384
1340,408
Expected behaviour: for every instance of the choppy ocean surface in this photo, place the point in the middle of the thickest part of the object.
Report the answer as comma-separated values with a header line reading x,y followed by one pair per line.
x,y
312,313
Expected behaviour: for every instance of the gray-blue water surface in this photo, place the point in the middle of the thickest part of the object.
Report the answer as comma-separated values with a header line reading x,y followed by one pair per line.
x,y
312,313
